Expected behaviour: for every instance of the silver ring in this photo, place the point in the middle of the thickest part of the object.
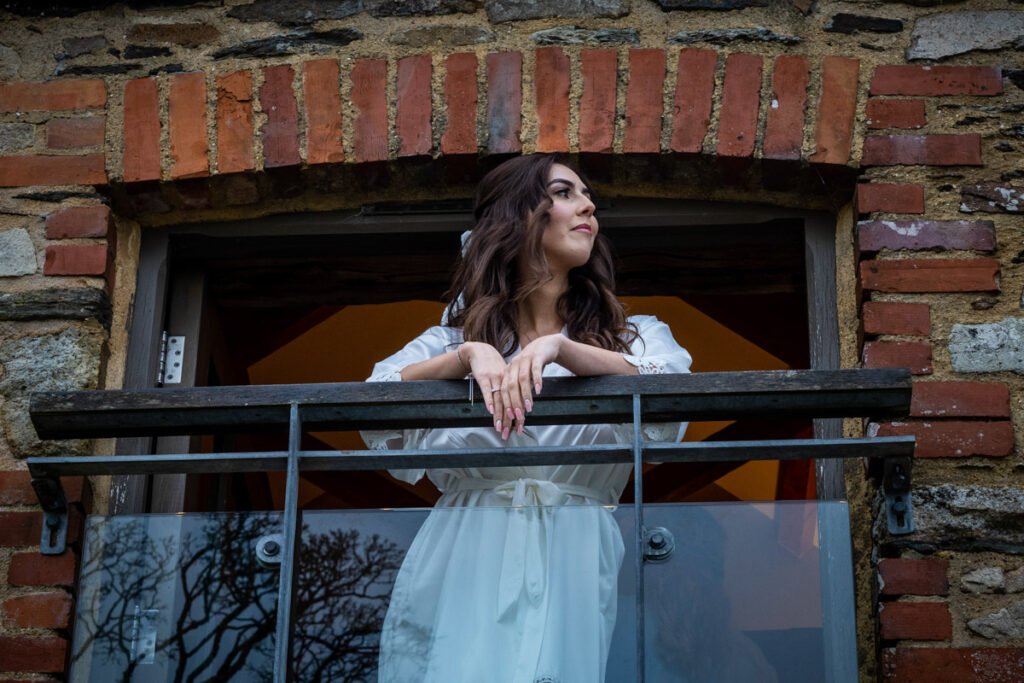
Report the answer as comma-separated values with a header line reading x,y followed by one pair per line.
x,y
494,391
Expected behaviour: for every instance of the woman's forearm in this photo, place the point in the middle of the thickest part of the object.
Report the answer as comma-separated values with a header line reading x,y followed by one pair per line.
x,y
585,360
446,366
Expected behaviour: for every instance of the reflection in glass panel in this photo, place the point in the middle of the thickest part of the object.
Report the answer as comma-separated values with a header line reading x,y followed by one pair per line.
x,y
175,598
740,598
185,597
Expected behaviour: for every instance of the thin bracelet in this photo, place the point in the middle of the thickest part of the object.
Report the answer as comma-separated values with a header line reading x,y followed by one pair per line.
x,y
458,354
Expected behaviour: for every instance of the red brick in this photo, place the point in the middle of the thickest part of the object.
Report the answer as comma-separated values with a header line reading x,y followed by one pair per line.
x,y
695,90
551,93
141,130
41,610
186,121
59,170
20,528
644,101
460,94
53,95
76,259
235,140
280,132
954,665
78,221
836,110
889,198
784,129
16,488
74,133
890,317
45,654
916,621
33,569
960,399
598,69
412,114
896,114
931,81
369,96
931,275
873,236
928,150
504,102
955,439
914,355
913,577
321,90
741,97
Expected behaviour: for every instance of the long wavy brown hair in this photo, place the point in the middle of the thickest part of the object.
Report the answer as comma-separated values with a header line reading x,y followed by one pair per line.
x,y
511,213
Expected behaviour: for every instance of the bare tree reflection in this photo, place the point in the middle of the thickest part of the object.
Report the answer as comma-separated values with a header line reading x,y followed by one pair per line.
x,y
212,605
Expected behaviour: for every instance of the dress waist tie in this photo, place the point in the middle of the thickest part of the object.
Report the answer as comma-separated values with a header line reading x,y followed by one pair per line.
x,y
524,562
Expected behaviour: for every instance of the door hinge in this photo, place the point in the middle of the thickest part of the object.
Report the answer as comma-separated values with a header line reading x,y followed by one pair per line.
x,y
172,357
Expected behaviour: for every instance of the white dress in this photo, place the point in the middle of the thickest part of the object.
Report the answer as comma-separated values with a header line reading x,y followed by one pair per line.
x,y
513,577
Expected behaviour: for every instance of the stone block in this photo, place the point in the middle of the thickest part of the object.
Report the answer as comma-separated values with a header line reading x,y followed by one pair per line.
x,y
988,347
77,46
186,34
971,518
295,12
857,23
65,361
571,35
984,580
299,41
10,64
77,132
521,10
409,8
993,30
443,34
1014,581
17,253
719,5
991,198
725,36
16,136
1007,623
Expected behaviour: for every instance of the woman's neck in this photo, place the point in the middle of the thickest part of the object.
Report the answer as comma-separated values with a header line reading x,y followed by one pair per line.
x,y
538,314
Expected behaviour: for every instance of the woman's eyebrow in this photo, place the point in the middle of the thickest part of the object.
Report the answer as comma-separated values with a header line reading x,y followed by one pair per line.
x,y
561,180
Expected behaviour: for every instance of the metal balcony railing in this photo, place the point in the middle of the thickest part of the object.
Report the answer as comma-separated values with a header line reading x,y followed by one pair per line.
x,y
347,406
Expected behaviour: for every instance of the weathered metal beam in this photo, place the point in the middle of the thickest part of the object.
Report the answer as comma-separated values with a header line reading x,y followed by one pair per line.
x,y
359,405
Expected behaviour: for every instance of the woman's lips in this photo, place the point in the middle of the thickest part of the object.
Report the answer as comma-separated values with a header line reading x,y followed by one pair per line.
x,y
584,227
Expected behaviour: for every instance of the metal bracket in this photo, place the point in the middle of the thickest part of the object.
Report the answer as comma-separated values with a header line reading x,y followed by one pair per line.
x,y
54,538
899,510
270,550
172,358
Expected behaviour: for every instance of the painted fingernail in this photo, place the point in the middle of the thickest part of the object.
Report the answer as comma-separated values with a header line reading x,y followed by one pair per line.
x,y
519,415
490,409
536,388
497,425
529,406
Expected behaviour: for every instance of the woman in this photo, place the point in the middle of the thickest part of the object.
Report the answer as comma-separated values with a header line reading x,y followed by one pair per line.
x,y
521,588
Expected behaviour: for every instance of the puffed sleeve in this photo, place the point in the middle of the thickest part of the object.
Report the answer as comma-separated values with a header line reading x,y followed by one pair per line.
x,y
433,342
655,352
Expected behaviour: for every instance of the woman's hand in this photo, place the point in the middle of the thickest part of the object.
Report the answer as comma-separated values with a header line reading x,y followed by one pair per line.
x,y
524,377
488,368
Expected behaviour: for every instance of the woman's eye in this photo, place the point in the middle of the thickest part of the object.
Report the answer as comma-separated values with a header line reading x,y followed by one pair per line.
x,y
564,193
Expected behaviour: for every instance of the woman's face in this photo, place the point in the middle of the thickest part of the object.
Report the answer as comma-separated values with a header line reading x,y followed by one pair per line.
x,y
572,227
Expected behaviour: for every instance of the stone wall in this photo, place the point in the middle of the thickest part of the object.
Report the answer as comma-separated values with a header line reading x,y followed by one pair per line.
x,y
906,115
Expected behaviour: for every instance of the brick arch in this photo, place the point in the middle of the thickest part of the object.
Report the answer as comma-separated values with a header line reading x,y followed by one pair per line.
x,y
805,114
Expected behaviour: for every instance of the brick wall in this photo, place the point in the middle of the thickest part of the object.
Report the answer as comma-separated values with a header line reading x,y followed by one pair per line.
x,y
161,115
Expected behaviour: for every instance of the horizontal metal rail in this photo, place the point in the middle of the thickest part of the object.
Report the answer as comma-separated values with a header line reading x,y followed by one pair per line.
x,y
361,405
277,461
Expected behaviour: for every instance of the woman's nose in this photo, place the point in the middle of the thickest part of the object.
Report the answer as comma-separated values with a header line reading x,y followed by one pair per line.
x,y
586,206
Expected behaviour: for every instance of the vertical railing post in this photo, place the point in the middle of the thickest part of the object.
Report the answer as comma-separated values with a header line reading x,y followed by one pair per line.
x,y
291,534
638,535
